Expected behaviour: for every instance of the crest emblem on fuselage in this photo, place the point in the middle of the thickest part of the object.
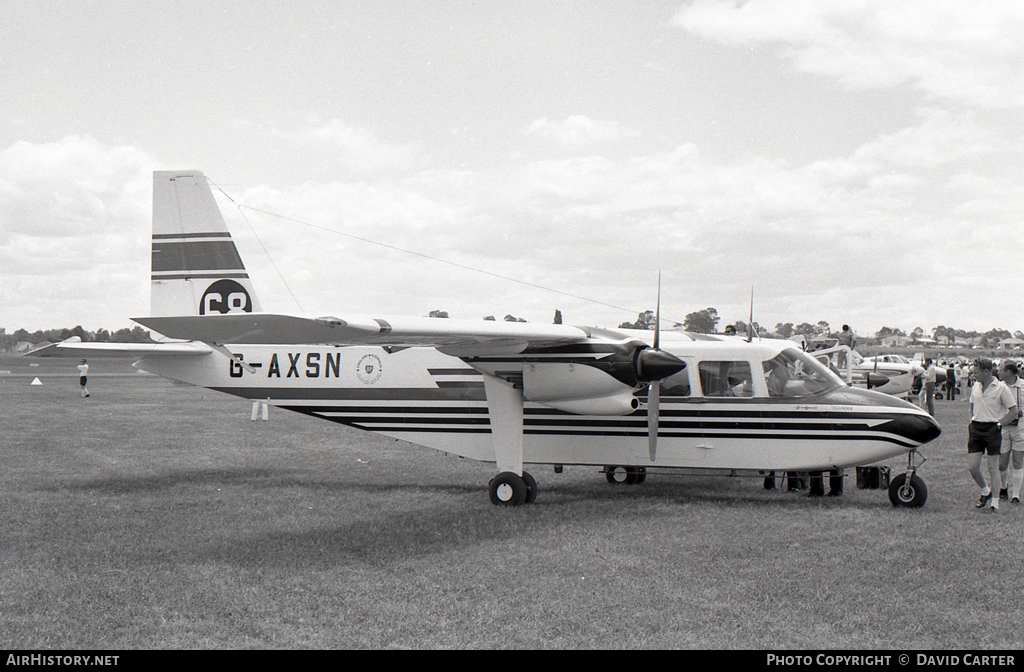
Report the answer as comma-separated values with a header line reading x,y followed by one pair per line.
x,y
369,369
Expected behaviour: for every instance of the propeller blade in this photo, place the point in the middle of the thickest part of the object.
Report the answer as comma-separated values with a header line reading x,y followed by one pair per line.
x,y
657,317
653,412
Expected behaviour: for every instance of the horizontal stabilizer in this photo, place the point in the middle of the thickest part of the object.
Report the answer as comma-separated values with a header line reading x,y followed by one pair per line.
x,y
460,337
73,347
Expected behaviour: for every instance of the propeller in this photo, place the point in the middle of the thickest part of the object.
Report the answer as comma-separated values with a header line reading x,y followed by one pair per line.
x,y
652,366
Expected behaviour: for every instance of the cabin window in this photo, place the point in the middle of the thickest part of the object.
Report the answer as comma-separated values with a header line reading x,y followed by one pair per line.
x,y
676,385
792,373
726,379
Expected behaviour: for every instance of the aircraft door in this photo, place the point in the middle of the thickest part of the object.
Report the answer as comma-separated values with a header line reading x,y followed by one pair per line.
x,y
791,378
731,416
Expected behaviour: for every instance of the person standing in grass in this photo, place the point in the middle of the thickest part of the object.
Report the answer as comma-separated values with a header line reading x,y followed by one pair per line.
x,y
1013,438
992,406
83,377
928,379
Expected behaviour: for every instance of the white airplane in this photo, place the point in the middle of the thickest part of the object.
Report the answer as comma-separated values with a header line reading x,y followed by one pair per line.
x,y
891,374
515,394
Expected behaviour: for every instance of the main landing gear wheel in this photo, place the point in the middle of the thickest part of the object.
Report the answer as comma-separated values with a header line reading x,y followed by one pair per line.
x,y
627,475
531,488
511,489
912,494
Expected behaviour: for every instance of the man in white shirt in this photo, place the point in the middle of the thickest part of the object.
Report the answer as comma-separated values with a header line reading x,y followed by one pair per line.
x,y
928,386
83,377
1013,438
992,406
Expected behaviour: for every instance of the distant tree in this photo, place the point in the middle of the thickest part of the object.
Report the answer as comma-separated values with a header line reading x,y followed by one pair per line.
x,y
512,318
702,321
917,333
558,316
490,318
823,327
805,329
997,334
438,313
644,320
784,330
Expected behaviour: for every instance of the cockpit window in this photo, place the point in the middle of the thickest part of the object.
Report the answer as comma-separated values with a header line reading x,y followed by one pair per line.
x,y
792,373
726,379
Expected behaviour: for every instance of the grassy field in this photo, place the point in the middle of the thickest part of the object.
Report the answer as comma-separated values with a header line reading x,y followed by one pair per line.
x,y
158,516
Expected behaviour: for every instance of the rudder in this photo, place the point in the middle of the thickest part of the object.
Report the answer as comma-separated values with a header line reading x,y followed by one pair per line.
x,y
196,268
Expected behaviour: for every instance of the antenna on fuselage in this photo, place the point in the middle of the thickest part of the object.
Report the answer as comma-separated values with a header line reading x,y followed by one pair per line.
x,y
750,324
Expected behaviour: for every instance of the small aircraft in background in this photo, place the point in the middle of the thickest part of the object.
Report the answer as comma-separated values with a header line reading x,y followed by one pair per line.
x,y
517,394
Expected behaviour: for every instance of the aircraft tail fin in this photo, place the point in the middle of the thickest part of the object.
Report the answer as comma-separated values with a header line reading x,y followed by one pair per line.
x,y
196,269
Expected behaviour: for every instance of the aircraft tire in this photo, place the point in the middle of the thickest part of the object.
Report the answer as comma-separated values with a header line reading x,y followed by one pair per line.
x,y
911,496
622,475
531,488
507,489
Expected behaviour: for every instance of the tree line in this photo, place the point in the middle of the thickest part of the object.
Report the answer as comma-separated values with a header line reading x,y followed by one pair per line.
x,y
706,322
9,341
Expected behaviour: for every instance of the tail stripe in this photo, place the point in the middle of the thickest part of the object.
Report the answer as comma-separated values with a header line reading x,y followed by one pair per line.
x,y
207,255
189,236
199,275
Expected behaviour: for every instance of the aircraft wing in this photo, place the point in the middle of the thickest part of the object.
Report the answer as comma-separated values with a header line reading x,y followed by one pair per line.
x,y
455,337
74,348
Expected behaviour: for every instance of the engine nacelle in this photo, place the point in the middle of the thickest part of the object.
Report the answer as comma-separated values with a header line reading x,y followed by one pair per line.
x,y
563,381
619,404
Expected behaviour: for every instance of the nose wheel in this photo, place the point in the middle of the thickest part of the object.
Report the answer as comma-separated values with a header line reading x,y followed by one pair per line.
x,y
908,490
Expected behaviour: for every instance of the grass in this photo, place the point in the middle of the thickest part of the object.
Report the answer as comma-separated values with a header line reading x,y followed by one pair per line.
x,y
158,516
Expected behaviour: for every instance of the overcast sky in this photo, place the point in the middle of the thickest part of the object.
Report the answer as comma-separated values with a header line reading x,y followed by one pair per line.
x,y
853,161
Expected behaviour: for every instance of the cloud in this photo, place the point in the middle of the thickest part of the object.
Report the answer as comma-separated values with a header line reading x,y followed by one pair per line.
x,y
73,232
880,221
968,52
893,233
335,145
576,130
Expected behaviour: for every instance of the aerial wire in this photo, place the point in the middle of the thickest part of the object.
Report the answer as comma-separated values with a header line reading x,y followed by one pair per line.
x,y
399,249
260,241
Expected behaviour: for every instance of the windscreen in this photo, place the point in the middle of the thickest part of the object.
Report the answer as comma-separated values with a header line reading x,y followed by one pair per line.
x,y
792,373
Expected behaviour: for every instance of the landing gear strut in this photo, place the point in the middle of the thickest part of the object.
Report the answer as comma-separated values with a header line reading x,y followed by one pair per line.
x,y
908,490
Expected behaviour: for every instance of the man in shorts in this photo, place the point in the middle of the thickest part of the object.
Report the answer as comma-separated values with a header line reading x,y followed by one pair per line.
x,y
992,406
1013,437
83,378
